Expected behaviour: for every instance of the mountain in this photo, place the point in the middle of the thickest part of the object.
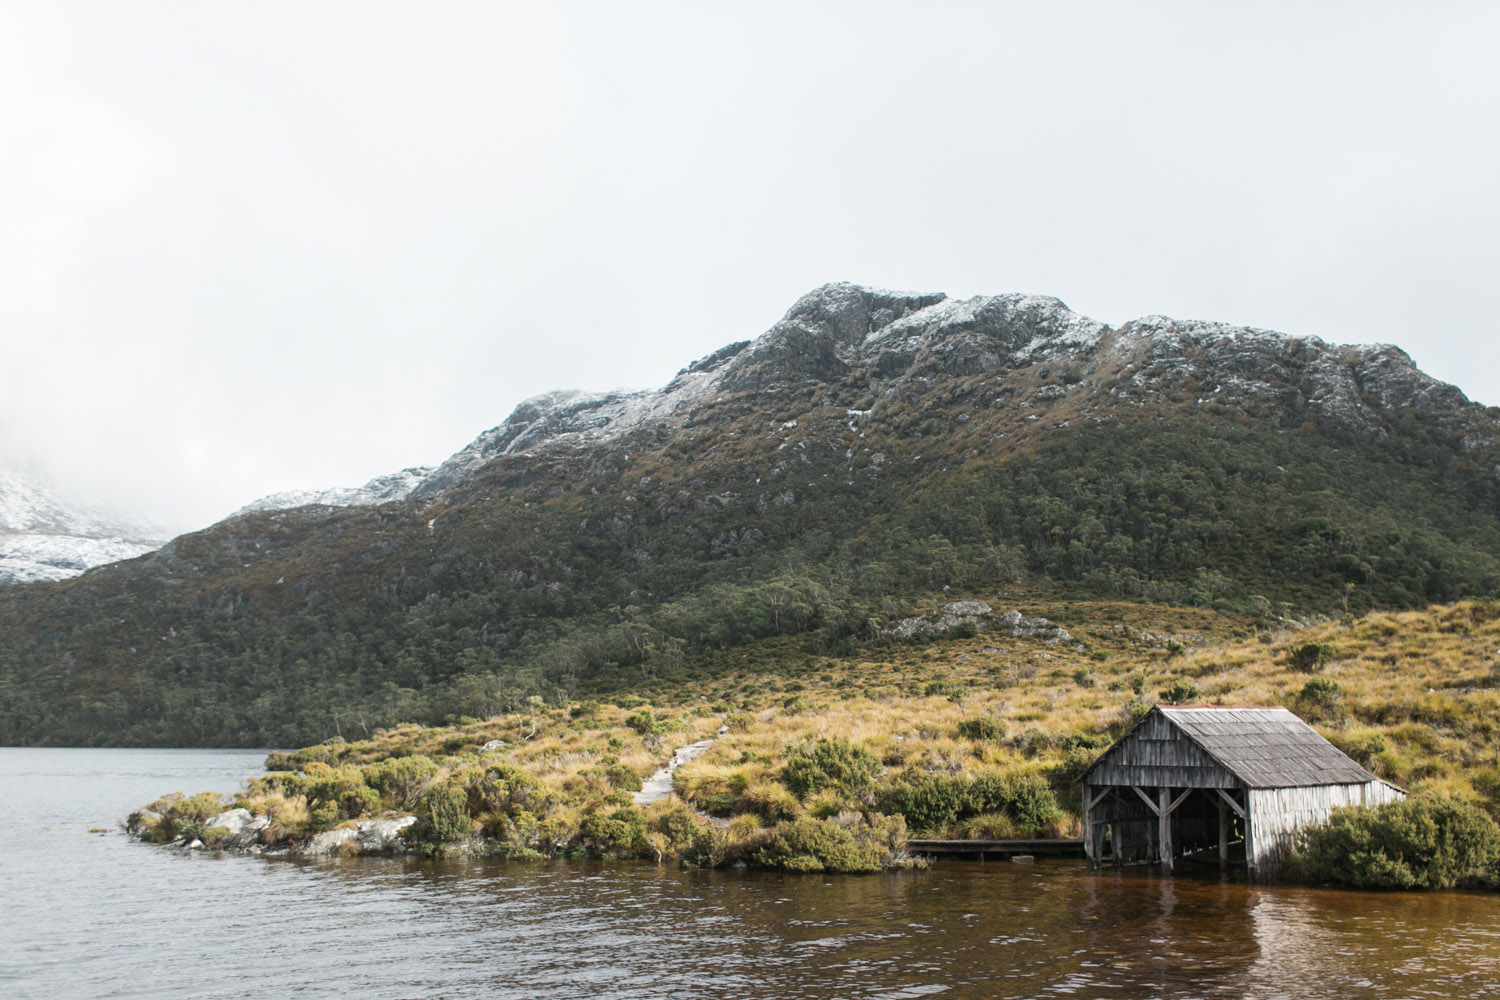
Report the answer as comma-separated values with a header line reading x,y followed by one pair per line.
x,y
44,536
381,489
871,449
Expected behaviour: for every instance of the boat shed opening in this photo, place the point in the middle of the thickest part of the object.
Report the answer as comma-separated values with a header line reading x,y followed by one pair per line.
x,y
1186,781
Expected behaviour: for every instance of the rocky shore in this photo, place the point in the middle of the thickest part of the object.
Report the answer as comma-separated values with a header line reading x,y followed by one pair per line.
x,y
237,830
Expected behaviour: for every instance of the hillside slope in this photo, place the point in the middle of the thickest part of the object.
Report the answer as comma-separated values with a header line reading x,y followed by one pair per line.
x,y
870,448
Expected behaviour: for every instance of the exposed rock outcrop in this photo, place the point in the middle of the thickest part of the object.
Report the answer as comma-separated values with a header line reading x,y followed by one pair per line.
x,y
366,836
1020,625
954,616
246,832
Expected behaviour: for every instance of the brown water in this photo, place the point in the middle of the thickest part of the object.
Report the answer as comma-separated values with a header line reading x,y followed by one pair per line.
x,y
84,915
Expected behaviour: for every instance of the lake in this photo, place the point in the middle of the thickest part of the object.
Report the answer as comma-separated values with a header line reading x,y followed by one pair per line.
x,y
89,915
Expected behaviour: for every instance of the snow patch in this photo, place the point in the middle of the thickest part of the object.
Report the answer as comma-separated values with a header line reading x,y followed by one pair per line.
x,y
45,536
381,489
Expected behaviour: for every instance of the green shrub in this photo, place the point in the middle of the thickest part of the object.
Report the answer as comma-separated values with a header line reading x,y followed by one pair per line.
x,y
1025,798
1035,741
829,762
1086,741
737,844
1180,693
1032,802
1417,843
928,801
1068,771
401,780
677,824
622,777
643,722
810,845
182,818
616,835
1310,656
710,849
738,722
963,630
1322,691
322,815
649,726
328,752
943,689
341,788
505,790
981,728
445,814
1370,747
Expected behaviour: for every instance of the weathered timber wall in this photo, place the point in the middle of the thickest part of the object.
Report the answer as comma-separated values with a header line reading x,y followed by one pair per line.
x,y
1156,755
1276,814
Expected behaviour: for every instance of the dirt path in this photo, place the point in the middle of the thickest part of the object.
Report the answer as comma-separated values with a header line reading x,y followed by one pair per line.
x,y
659,785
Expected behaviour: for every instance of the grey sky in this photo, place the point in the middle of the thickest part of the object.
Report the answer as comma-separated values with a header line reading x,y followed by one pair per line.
x,y
255,247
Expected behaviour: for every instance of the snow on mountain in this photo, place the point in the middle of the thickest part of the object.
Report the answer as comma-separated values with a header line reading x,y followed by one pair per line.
x,y
45,536
824,335
827,335
842,328
381,489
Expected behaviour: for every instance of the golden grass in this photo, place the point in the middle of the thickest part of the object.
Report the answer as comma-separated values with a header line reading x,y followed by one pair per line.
x,y
1417,701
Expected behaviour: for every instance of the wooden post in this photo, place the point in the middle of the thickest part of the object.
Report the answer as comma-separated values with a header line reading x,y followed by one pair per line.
x,y
1225,799
1223,833
1164,826
1093,833
1088,828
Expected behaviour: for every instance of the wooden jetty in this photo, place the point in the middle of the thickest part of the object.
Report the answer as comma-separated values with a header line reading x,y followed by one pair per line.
x,y
986,850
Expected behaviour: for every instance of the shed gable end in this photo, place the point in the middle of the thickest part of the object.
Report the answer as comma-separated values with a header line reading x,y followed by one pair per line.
x,y
1157,753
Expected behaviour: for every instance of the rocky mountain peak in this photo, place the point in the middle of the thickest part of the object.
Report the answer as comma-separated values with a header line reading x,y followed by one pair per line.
x,y
1388,373
843,330
836,327
1234,363
849,313
821,334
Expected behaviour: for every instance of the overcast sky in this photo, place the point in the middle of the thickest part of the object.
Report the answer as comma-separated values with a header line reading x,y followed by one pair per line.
x,y
260,246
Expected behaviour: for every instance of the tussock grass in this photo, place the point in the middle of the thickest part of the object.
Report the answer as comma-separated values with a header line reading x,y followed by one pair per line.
x,y
1413,696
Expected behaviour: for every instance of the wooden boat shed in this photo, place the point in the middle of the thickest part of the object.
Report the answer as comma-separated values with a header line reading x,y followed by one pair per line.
x,y
1188,780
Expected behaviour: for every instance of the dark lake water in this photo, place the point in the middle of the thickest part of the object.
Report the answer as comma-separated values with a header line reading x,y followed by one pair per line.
x,y
89,915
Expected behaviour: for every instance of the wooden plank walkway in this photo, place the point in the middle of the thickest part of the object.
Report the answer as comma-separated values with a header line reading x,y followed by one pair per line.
x,y
983,849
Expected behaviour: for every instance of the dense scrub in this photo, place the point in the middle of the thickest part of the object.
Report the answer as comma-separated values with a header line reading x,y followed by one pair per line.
x,y
981,737
1418,843
485,802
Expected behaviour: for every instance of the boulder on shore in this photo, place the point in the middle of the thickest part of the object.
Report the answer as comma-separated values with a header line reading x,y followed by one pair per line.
x,y
367,836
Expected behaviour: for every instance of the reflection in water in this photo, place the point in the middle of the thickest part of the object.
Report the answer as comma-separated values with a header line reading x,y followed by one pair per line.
x,y
92,916
965,929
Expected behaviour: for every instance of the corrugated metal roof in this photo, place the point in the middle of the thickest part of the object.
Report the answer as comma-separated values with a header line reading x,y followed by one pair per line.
x,y
1266,747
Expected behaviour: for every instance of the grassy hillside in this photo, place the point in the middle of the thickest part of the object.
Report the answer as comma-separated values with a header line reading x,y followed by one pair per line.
x,y
599,570
870,451
968,735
